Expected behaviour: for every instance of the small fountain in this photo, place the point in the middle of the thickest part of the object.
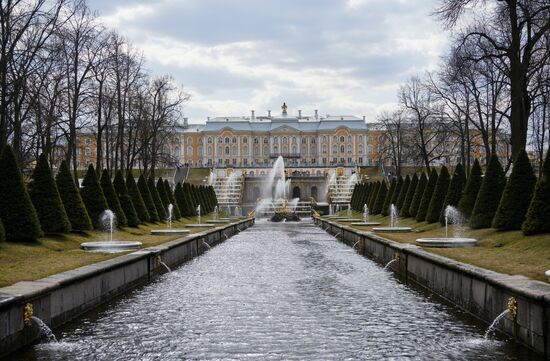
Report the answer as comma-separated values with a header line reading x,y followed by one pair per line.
x,y
454,217
511,309
169,231
348,215
365,222
215,217
199,224
29,319
393,228
389,264
284,214
108,222
160,262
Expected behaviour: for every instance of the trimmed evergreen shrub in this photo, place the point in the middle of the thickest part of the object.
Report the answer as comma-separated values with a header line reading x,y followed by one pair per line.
x,y
409,196
403,193
190,195
72,201
354,196
214,197
397,190
161,211
380,197
538,214
16,209
488,198
162,194
93,196
387,201
468,199
46,200
438,196
2,232
517,195
427,197
137,199
125,200
181,199
176,213
112,198
374,195
456,187
147,199
418,193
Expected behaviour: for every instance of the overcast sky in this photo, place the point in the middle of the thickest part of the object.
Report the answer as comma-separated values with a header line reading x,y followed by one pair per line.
x,y
338,56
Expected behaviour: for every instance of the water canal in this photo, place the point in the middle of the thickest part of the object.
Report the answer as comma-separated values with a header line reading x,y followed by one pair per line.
x,y
278,292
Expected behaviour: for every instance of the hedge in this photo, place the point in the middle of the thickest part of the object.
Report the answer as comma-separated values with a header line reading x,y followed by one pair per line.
x,y
488,198
72,200
427,197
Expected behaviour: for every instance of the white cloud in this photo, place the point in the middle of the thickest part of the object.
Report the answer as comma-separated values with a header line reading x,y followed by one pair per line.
x,y
339,57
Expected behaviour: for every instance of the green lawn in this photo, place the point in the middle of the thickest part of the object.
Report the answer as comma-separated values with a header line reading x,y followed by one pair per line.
x,y
54,254
506,252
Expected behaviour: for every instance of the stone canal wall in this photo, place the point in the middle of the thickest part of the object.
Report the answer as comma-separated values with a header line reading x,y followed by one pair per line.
x,y
483,293
62,297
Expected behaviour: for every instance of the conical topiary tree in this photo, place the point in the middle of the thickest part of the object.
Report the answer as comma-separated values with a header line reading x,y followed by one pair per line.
x,y
46,200
125,200
161,211
456,187
16,209
162,194
2,232
488,198
438,196
538,214
181,199
397,191
93,197
72,201
373,195
468,199
147,199
137,199
517,195
403,193
176,213
112,198
389,195
188,188
418,193
404,211
427,197
380,197
355,195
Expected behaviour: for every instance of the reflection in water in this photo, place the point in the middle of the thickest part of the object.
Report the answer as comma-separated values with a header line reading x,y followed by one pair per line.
x,y
276,292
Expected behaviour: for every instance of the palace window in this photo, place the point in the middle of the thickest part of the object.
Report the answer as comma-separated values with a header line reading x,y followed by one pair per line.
x,y
342,149
324,138
226,140
360,160
360,148
209,140
285,140
266,141
312,140
294,140
361,138
177,151
189,151
349,138
234,150
200,151
255,140
189,140
334,139
349,148
294,150
276,150
334,148
220,140
342,139
234,140
275,140
209,150
227,150
88,151
304,140
245,140
245,150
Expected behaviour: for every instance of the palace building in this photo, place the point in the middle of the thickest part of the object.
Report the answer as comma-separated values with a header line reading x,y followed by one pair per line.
x,y
256,141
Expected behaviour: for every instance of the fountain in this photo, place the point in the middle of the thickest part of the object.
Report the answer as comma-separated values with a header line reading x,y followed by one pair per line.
x,y
365,222
199,224
169,230
215,217
511,309
452,216
389,264
160,262
29,319
108,222
284,214
393,228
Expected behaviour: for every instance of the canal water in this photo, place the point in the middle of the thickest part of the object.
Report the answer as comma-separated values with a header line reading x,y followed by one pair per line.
x,y
277,292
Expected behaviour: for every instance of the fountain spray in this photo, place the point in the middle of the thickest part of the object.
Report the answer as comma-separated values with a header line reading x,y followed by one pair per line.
x,y
170,210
